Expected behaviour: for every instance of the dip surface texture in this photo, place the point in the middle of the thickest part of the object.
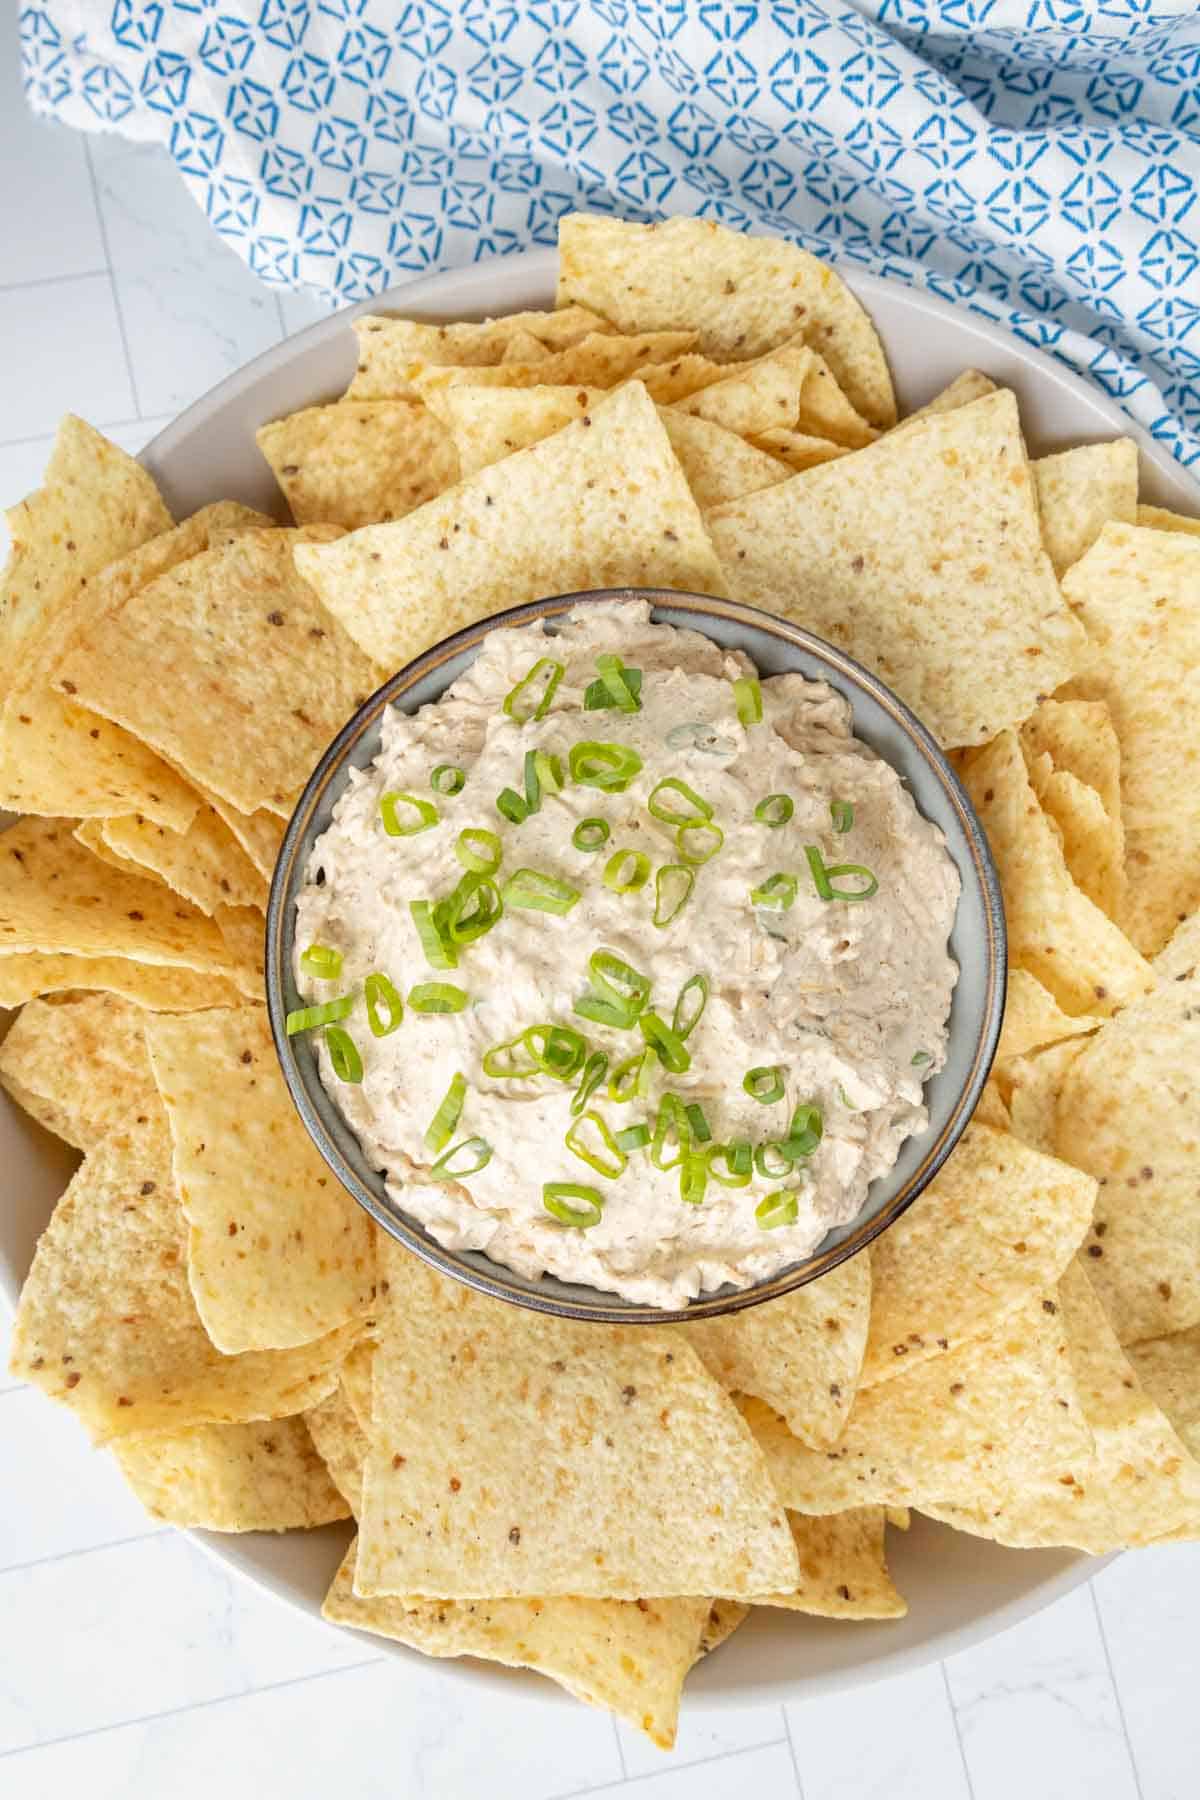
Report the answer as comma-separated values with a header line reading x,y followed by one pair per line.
x,y
848,1000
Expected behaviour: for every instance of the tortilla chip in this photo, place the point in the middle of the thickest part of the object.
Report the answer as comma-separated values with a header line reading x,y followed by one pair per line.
x,y
161,989
1033,1019
843,1568
205,863
1137,1481
106,1322
390,350
723,1621
55,896
671,381
998,1224
356,1381
992,1109
278,1252
1169,1370
825,411
628,1656
1078,737
756,396
543,1457
798,450
342,1445
1093,841
908,555
260,1477
1137,592
1035,1088
243,932
1054,930
600,361
1157,518
1079,491
358,462
1130,1114
968,386
1181,956
801,1354
967,1424
84,1062
522,346
260,833
603,504
267,676
743,295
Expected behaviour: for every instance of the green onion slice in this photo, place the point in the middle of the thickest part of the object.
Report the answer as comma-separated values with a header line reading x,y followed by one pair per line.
x,y
439,950
698,1121
322,961
671,1141
805,1131
478,850
424,814
842,814
573,1204
603,765
690,1003
921,1058
557,1050
667,1045
764,1084
470,911
531,697
693,1180
593,1143
631,1079
634,1137
509,1061
725,1164
308,1018
626,871
673,886
343,1054
777,890
448,778
775,810
377,990
824,877
596,695
467,1157
662,803
773,1160
619,994
591,834
440,1129
436,997
539,892
779,1208
747,697
594,1071
698,841
543,775
512,806
621,692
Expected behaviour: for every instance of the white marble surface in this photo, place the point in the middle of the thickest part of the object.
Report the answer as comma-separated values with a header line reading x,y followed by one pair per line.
x,y
131,1667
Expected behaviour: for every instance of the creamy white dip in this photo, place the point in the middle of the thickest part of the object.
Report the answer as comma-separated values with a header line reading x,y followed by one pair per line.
x,y
849,1000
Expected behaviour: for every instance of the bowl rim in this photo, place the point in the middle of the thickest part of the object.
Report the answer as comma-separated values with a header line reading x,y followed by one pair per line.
x,y
314,1104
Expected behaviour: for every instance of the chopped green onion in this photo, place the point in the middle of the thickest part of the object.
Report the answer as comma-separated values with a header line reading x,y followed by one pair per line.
x,y
671,1142
845,1099
503,1063
439,951
777,890
308,1018
467,1157
322,961
470,911
603,1153
621,692
594,1071
772,1160
698,841
440,1129
741,1156
631,1079
596,695
764,1084
823,878
448,778
698,734
673,886
591,834
698,1120
557,1050
343,1054
531,697
540,892
512,806
806,1130
775,810
478,850
378,988
621,992
634,1137
626,871
426,814
842,814
670,1049
543,775
747,697
436,997
695,809
589,1204
690,1003
921,1057
603,765
604,1012
734,1176
779,1208
693,1180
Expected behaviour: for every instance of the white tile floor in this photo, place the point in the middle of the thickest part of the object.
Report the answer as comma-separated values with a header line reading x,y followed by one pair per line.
x,y
133,1668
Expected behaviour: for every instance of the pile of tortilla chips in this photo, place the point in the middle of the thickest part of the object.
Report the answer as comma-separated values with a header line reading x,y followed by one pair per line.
x,y
1019,1356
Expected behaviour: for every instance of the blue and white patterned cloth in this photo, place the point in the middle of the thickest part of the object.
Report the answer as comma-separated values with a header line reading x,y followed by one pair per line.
x,y
1037,160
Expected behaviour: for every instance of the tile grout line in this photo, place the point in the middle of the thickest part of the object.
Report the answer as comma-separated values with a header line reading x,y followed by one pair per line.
x,y
112,275
698,1762
791,1744
620,1748
41,1562
39,437
957,1731
1137,1779
175,1712
41,281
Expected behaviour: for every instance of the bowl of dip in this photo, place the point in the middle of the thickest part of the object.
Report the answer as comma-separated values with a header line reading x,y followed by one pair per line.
x,y
635,956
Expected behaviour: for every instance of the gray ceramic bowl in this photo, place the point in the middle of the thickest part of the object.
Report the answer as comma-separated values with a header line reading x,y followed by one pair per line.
x,y
882,721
